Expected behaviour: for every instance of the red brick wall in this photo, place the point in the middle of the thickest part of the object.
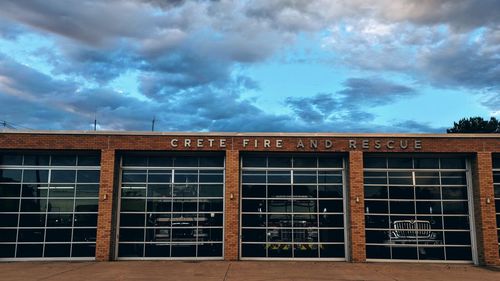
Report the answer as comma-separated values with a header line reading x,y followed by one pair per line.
x,y
231,211
484,212
109,144
105,219
356,208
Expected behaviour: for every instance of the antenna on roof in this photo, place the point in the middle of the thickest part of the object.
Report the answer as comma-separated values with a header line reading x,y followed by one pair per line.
x,y
95,122
153,124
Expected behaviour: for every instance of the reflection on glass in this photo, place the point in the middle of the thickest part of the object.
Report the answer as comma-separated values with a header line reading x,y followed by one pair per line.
x,y
425,214
284,212
166,212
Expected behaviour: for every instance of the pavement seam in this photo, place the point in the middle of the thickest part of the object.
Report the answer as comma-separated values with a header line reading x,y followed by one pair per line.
x,y
227,270
66,271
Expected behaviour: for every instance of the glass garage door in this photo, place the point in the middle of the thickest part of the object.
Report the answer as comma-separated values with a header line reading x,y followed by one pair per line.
x,y
171,207
496,184
48,206
292,207
417,208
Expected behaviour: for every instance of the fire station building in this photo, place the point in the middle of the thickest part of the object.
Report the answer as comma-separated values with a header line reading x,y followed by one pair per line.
x,y
249,196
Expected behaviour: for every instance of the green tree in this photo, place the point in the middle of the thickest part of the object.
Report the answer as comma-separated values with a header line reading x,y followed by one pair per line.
x,y
475,125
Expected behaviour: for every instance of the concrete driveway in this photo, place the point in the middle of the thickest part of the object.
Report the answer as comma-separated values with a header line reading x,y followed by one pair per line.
x,y
220,270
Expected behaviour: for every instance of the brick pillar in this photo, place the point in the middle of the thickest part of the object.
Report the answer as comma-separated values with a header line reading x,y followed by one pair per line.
x,y
484,212
232,199
356,207
105,217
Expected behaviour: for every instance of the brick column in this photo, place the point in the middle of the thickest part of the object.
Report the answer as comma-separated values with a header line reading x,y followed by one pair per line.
x,y
105,217
356,207
232,199
484,212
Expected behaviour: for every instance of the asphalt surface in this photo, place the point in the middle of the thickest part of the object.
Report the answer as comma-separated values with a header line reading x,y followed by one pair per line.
x,y
222,271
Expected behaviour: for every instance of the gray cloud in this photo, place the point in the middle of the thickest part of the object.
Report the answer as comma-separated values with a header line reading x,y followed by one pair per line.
x,y
52,104
460,14
347,104
186,53
459,62
198,42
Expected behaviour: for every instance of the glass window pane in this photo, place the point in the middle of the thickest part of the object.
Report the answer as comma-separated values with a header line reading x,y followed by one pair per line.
x,y
61,190
30,205
29,250
211,205
10,190
160,177
305,162
63,160
428,192
87,190
8,220
211,161
131,250
62,176
378,252
11,159
89,160
85,220
496,162
253,250
30,235
400,163
7,250
375,177
326,162
186,161
161,161
400,178
453,178
33,176
59,220
8,235
158,205
60,205
133,205
376,192
159,190
330,191
332,251
57,250
254,161
88,176
374,162
188,205
253,235
58,235
185,190
401,192
36,160
279,191
134,176
131,234
402,207
83,250
279,162
211,190
135,161
9,205
10,175
426,163
254,191
34,190
452,163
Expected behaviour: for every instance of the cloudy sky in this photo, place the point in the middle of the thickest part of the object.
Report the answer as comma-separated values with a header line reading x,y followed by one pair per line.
x,y
282,65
